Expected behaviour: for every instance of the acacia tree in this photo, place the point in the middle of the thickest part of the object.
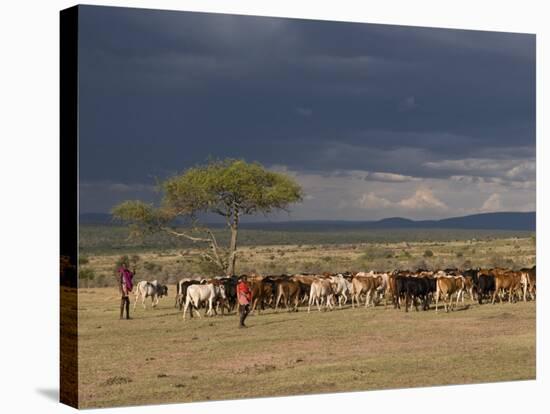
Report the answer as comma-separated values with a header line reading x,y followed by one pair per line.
x,y
229,188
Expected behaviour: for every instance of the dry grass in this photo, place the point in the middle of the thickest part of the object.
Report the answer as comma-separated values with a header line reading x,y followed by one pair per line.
x,y
277,259
158,358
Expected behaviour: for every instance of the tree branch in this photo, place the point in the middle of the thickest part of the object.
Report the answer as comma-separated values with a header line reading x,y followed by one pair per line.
x,y
187,236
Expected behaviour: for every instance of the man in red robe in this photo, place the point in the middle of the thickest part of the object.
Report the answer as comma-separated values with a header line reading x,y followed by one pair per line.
x,y
244,296
125,286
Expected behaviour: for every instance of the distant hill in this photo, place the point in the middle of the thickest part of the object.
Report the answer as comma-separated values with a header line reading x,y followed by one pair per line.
x,y
485,221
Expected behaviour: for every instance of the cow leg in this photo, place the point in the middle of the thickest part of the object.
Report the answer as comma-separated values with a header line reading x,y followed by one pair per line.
x,y
278,300
296,303
185,308
135,301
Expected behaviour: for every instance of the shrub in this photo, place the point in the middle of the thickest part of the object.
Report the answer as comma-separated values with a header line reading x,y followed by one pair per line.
x,y
86,275
373,253
152,267
122,259
207,268
82,260
422,264
428,253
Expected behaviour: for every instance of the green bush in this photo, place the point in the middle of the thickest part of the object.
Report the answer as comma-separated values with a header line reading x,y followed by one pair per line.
x,y
428,253
152,267
86,275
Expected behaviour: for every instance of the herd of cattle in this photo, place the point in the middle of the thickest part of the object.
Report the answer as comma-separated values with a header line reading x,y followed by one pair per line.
x,y
403,288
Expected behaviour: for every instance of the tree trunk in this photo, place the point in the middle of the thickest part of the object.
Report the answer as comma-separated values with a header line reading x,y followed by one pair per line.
x,y
233,246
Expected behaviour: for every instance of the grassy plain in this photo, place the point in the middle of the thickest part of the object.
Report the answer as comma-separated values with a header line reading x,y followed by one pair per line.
x,y
158,358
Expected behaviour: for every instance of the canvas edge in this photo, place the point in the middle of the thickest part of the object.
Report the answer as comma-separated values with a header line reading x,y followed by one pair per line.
x,y
68,127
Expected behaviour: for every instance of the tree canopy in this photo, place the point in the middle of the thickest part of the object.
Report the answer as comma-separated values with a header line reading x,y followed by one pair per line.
x,y
230,188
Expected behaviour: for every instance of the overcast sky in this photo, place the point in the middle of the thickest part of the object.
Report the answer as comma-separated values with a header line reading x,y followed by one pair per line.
x,y
373,120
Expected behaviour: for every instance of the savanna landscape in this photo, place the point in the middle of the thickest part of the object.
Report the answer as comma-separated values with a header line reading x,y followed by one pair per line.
x,y
158,357
236,162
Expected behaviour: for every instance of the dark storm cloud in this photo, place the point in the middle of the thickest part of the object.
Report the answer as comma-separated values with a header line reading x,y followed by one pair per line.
x,y
160,91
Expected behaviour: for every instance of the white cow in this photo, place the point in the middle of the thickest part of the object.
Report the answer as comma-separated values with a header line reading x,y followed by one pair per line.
x,y
321,290
342,288
154,290
197,294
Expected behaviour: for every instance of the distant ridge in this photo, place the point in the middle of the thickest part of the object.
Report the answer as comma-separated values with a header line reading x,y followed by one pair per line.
x,y
485,221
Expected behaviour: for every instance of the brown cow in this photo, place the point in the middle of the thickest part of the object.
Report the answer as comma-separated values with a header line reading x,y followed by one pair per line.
x,y
506,280
289,292
530,286
364,284
468,287
262,293
446,286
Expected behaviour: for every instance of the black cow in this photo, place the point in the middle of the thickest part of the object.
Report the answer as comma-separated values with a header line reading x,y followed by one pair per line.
x,y
230,285
413,288
472,274
181,291
485,287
